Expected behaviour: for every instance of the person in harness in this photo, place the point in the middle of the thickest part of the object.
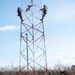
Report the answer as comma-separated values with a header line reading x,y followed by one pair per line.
x,y
44,10
20,14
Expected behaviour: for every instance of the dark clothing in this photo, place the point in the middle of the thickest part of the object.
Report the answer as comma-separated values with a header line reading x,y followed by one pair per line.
x,y
44,10
19,11
19,14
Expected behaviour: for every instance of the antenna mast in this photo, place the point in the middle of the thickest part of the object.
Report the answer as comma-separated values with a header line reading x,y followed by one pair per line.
x,y
32,39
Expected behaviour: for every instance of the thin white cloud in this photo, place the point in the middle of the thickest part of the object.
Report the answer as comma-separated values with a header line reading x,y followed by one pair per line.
x,y
12,27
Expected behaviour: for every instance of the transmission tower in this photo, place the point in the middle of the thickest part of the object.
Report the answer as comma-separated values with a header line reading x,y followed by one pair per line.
x,y
32,39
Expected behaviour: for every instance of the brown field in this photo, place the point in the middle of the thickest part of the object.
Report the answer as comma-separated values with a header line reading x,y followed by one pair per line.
x,y
57,71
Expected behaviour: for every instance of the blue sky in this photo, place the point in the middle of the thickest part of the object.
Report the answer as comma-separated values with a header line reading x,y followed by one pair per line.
x,y
59,32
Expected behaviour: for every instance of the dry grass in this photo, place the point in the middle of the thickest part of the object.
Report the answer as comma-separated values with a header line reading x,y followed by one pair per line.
x,y
58,70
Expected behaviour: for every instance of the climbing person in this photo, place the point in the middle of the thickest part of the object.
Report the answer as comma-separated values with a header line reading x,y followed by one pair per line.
x,y
44,10
20,14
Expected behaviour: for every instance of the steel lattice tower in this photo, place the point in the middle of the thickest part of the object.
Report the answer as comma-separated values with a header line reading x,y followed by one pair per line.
x,y
32,38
